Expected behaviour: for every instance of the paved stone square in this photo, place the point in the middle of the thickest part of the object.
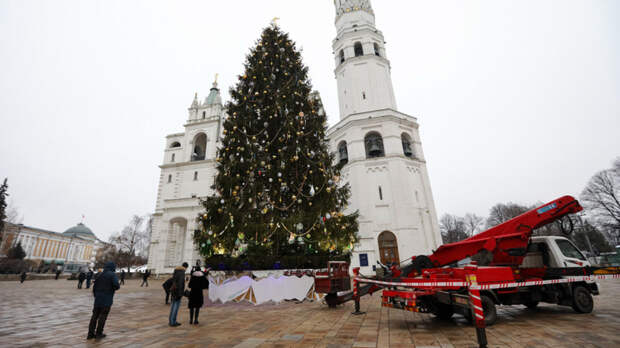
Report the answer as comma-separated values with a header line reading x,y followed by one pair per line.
x,y
48,313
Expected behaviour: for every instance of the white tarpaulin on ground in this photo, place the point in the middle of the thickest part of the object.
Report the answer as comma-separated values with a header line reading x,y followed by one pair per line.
x,y
276,289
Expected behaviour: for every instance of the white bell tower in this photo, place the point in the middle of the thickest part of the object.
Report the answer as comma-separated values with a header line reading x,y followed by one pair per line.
x,y
362,68
379,146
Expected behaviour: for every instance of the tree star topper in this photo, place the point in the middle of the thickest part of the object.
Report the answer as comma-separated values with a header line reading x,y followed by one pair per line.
x,y
274,21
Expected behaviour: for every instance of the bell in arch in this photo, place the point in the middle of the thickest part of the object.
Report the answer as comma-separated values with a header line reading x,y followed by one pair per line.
x,y
375,150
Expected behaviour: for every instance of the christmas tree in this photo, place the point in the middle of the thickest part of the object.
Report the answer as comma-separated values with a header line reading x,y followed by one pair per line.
x,y
276,189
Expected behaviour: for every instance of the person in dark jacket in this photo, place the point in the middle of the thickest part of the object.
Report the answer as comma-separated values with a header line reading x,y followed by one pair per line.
x,y
89,277
197,283
123,276
145,278
81,278
176,290
103,290
166,285
22,277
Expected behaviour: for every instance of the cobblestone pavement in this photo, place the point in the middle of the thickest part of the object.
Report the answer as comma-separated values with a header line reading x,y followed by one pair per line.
x,y
50,313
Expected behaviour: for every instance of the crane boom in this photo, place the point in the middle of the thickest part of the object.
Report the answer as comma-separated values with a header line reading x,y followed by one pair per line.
x,y
504,244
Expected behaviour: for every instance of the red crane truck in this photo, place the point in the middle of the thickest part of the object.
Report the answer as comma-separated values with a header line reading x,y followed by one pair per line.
x,y
505,266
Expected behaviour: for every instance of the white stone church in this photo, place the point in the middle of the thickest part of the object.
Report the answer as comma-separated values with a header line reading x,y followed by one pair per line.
x,y
381,147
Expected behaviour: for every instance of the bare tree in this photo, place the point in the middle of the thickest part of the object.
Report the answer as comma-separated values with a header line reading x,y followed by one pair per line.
x,y
602,199
12,214
452,228
473,224
130,239
502,212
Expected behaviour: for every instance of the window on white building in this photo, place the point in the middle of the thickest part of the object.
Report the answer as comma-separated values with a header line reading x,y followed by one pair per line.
x,y
195,176
169,178
374,145
358,49
172,159
343,153
377,52
200,147
406,141
341,56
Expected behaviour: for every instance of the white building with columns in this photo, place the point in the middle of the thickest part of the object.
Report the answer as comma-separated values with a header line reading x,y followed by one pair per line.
x,y
187,173
380,146
75,249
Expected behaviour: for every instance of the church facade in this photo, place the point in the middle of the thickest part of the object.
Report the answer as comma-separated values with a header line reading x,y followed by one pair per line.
x,y
379,146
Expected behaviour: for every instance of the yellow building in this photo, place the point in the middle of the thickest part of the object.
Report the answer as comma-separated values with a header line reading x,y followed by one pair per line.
x,y
74,248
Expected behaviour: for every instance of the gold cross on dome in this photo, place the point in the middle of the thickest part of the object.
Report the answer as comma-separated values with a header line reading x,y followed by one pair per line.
x,y
275,20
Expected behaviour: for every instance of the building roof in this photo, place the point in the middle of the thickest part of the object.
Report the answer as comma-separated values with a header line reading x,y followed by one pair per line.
x,y
214,97
80,230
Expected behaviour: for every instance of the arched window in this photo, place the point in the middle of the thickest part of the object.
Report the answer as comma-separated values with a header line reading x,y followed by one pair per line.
x,y
195,176
341,56
343,154
407,149
388,248
172,159
357,47
175,144
169,178
200,147
377,53
374,145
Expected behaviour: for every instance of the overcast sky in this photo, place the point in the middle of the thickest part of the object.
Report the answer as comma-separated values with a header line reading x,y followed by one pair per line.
x,y
517,100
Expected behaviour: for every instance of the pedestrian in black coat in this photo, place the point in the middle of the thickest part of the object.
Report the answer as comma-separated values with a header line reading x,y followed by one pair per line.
x,y
58,274
123,276
166,285
197,283
22,277
177,290
81,278
145,278
103,290
89,277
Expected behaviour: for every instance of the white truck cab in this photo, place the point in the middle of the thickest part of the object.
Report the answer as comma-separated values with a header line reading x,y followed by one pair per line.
x,y
554,252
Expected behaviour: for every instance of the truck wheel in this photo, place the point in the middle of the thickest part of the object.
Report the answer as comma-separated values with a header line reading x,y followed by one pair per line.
x,y
582,300
331,299
490,312
531,305
444,311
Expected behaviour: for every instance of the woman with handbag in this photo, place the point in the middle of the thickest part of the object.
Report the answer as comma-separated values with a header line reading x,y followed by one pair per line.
x,y
197,283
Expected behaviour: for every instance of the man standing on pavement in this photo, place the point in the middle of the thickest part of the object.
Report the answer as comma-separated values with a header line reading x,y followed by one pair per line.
x,y
177,289
81,277
145,278
89,277
123,276
103,289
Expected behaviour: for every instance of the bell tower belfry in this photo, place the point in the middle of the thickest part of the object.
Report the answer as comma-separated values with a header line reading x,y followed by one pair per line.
x,y
362,67
379,147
